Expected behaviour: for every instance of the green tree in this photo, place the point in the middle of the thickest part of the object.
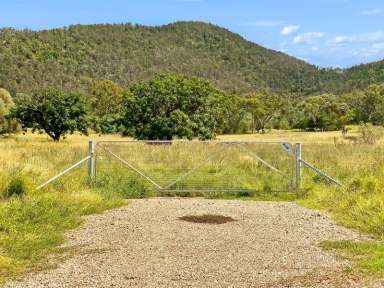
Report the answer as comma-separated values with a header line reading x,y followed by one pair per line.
x,y
236,120
368,105
171,106
323,112
106,97
106,103
263,107
7,125
52,111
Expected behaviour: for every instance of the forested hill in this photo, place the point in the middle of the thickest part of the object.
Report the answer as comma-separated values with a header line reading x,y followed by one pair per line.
x,y
359,77
69,58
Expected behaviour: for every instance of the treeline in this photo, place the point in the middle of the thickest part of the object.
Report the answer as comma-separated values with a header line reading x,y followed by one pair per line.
x,y
265,110
70,58
173,106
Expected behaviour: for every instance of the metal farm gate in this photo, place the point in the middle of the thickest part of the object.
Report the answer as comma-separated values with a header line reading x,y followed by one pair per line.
x,y
199,166
202,166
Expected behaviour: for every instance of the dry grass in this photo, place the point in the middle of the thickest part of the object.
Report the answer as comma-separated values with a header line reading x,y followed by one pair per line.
x,y
24,240
32,224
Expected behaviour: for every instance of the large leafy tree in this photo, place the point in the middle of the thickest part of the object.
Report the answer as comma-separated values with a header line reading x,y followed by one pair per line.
x,y
7,125
171,106
52,111
236,118
323,112
106,99
368,105
263,106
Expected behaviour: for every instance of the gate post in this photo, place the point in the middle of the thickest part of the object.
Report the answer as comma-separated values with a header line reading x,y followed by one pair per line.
x,y
298,165
91,160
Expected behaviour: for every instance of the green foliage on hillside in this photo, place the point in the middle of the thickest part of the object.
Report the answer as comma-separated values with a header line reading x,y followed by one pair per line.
x,y
6,103
361,76
368,105
70,58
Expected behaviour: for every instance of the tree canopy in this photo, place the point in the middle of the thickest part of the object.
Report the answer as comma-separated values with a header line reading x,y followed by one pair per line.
x,y
106,98
323,112
263,107
52,111
6,103
368,105
171,106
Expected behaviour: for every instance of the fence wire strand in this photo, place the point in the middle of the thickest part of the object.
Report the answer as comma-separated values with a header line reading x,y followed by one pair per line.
x,y
200,166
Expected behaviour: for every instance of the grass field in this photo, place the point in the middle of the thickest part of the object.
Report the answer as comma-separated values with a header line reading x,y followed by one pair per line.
x,y
32,224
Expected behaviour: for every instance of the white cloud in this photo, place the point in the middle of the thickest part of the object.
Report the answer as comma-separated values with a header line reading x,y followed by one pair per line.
x,y
340,39
378,46
370,37
374,49
262,23
373,12
308,38
288,30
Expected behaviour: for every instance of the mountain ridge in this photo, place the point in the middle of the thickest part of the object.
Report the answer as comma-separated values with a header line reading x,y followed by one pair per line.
x,y
73,56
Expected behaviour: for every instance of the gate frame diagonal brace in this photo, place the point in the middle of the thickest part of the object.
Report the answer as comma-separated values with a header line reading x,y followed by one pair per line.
x,y
254,155
196,167
321,173
130,166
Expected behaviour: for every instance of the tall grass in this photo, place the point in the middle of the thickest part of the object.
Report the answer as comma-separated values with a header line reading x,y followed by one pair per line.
x,y
32,223
360,167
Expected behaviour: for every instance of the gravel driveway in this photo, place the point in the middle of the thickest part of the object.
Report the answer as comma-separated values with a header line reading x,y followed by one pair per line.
x,y
145,245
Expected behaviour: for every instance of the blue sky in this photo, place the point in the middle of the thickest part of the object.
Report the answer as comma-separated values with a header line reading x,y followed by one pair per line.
x,y
328,33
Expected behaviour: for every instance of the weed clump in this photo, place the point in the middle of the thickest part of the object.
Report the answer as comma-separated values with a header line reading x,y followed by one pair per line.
x,y
369,134
17,187
126,187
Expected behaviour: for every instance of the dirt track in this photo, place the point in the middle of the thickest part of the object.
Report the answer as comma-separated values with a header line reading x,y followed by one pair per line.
x,y
145,245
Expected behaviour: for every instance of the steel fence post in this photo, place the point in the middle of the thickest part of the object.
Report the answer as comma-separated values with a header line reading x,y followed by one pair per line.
x,y
91,161
298,165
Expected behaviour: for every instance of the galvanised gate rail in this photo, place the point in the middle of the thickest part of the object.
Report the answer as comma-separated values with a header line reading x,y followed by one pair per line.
x,y
201,166
206,166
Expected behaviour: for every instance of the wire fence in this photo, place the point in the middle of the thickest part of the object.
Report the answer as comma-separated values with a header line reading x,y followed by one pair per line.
x,y
201,165
198,166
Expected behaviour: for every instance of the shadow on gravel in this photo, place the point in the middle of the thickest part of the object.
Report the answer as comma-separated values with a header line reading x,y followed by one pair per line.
x,y
207,219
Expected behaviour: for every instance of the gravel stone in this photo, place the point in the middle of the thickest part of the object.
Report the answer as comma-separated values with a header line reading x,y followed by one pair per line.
x,y
271,244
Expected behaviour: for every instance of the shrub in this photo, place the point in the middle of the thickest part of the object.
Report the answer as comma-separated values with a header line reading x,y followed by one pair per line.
x,y
17,187
368,133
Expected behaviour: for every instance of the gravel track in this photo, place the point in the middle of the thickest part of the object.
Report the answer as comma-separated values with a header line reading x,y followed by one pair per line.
x,y
145,245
